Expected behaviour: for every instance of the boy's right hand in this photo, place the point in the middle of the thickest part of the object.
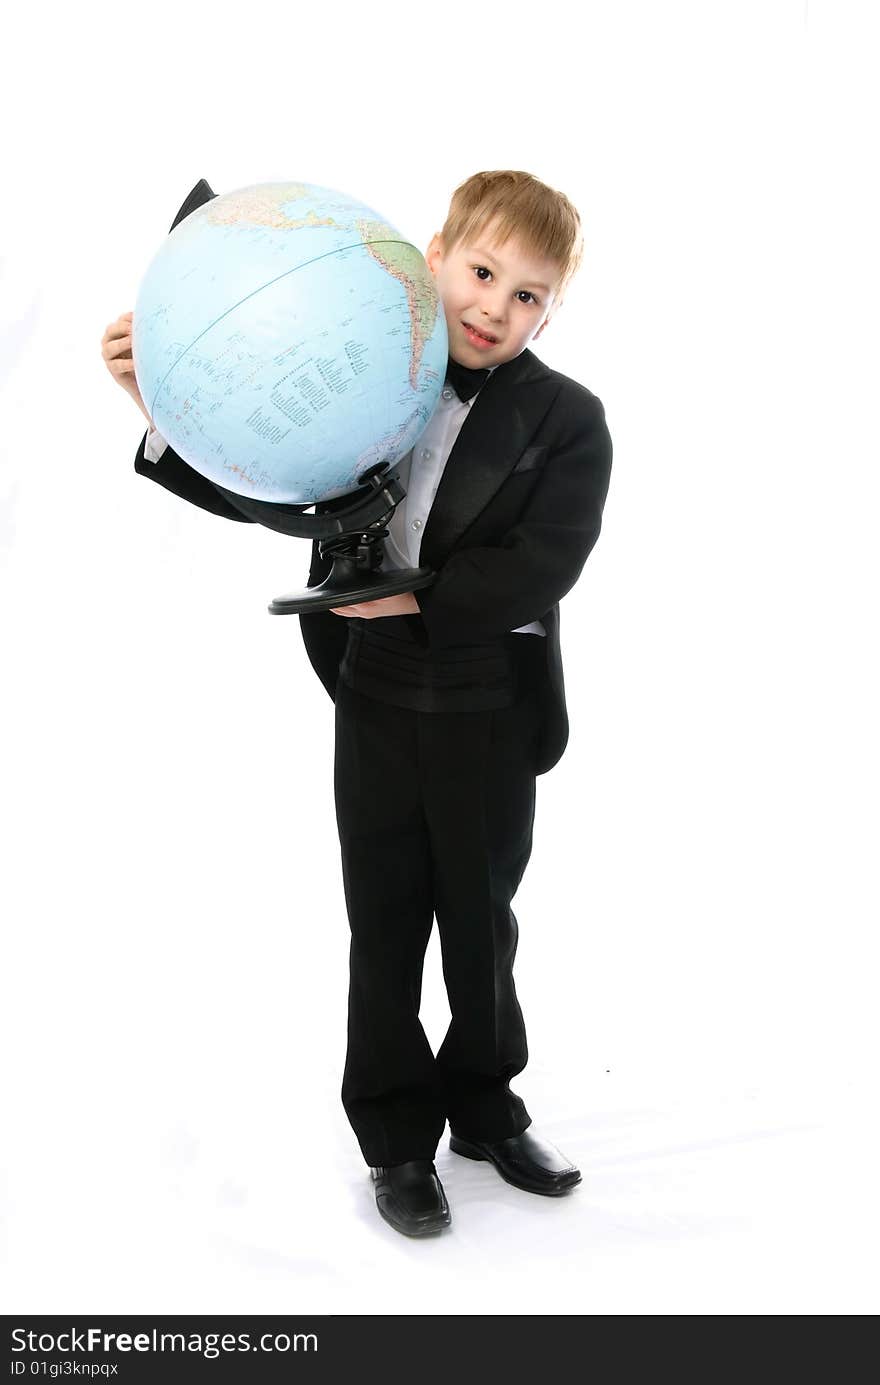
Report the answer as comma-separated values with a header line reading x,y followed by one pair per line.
x,y
116,350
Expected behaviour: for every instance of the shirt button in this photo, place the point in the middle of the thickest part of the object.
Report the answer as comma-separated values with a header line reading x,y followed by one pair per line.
x,y
416,524
448,393
425,453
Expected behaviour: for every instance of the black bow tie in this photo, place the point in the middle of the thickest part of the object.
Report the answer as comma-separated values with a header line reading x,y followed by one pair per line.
x,y
464,381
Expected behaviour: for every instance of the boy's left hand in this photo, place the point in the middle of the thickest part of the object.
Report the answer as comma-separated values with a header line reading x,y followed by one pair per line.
x,y
403,605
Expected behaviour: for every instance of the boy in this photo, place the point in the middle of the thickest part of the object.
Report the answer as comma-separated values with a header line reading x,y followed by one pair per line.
x,y
450,701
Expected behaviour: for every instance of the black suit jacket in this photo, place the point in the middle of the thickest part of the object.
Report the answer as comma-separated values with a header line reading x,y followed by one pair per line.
x,y
517,512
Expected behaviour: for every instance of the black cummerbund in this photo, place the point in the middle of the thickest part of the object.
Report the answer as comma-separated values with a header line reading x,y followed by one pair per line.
x,y
385,661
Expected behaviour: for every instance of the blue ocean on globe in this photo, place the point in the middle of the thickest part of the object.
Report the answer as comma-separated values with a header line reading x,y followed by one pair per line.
x,y
286,338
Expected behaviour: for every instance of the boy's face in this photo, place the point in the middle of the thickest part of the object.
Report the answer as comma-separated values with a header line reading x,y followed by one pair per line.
x,y
500,290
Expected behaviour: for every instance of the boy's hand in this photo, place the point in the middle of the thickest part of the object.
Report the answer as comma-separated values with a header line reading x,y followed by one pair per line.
x,y
403,605
116,350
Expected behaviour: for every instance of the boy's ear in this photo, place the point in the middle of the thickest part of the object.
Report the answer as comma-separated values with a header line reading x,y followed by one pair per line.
x,y
434,252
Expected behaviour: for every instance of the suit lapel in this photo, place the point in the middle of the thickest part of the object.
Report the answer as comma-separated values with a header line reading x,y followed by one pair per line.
x,y
511,405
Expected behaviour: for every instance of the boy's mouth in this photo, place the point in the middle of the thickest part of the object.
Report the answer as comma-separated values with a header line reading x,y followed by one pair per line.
x,y
481,336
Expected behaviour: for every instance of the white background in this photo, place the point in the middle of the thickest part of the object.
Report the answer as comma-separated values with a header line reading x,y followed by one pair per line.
x,y
697,960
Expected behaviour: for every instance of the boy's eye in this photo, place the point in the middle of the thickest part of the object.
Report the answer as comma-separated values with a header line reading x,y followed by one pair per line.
x,y
528,292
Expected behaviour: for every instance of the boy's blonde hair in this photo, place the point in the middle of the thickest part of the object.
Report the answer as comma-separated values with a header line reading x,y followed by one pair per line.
x,y
542,218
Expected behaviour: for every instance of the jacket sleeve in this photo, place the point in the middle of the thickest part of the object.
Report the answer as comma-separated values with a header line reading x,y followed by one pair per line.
x,y
172,472
480,593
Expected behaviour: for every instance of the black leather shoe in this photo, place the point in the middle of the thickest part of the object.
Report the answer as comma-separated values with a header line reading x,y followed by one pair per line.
x,y
410,1197
524,1160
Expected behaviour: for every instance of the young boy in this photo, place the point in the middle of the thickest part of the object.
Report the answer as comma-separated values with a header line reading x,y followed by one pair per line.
x,y
450,700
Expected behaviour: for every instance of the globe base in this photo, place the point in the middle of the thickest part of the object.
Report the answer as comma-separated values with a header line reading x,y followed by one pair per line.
x,y
346,584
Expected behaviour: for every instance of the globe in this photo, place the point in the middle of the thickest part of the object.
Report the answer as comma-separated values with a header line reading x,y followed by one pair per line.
x,y
285,339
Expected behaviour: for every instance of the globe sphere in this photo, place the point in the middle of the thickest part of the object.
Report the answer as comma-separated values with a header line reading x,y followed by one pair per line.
x,y
286,338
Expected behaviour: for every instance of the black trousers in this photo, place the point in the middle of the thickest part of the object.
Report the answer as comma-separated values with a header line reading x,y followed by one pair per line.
x,y
435,812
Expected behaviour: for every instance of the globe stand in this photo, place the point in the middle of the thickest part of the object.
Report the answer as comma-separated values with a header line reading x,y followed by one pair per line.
x,y
355,548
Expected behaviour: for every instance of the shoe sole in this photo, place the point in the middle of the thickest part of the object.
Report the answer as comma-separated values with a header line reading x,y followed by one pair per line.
x,y
429,1229
469,1151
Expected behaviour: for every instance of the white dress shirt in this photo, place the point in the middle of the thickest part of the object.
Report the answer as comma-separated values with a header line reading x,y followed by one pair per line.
x,y
420,472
